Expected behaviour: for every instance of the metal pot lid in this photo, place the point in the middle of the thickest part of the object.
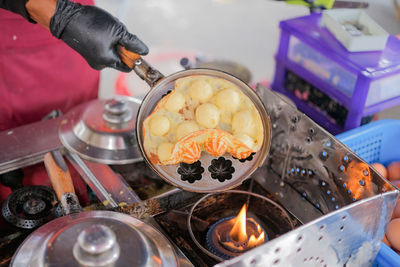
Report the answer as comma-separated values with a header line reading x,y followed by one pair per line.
x,y
95,238
103,130
231,67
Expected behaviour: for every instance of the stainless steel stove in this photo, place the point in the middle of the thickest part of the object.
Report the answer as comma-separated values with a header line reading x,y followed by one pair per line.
x,y
319,196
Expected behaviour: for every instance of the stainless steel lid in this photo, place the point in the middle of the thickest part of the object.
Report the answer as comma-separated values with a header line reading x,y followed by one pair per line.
x,y
95,238
231,67
103,130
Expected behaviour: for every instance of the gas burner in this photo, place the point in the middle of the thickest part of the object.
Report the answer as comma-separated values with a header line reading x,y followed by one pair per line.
x,y
30,207
34,206
232,236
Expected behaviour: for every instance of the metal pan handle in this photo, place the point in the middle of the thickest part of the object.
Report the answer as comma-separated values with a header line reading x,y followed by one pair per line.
x,y
60,178
140,66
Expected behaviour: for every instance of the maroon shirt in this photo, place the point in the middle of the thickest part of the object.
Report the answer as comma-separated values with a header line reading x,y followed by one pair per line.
x,y
38,73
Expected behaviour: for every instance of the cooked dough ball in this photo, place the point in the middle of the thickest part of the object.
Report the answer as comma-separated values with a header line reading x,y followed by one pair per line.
x,y
242,122
164,151
228,99
220,84
226,118
201,90
175,102
245,139
185,128
159,125
207,115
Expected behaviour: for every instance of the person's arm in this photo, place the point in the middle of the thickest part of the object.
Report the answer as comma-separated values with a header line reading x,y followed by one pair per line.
x,y
16,6
41,11
91,31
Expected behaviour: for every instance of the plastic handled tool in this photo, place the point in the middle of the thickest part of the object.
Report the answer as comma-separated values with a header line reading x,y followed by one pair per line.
x,y
140,66
327,4
60,178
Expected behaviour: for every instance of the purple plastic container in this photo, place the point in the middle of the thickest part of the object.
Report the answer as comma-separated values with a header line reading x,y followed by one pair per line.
x,y
340,90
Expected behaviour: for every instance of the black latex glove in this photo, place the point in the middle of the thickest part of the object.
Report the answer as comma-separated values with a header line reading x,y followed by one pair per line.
x,y
95,34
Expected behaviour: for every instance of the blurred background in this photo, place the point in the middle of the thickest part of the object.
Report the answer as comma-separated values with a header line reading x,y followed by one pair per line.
x,y
245,32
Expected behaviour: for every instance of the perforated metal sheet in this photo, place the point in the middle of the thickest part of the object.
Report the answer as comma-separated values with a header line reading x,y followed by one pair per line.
x,y
347,237
343,203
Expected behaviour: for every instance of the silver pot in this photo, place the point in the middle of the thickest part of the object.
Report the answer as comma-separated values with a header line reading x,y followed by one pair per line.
x,y
93,238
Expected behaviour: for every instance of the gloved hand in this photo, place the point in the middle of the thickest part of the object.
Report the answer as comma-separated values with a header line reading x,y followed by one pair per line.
x,y
94,33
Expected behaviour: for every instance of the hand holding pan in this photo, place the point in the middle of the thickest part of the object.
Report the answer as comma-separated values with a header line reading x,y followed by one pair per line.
x,y
207,165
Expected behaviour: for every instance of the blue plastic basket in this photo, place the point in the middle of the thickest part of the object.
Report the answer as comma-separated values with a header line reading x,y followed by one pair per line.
x,y
378,141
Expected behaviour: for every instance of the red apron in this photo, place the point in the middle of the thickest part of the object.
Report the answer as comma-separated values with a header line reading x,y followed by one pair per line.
x,y
39,73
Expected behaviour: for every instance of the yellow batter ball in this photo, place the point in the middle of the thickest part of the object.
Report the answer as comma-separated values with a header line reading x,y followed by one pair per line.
x,y
245,139
228,99
185,128
175,102
207,115
242,122
200,90
164,151
159,125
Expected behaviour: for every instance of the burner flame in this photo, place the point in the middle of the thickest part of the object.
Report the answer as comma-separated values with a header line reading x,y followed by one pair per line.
x,y
239,231
232,236
255,241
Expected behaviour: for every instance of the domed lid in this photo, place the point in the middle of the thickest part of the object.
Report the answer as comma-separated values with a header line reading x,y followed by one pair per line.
x,y
95,238
103,130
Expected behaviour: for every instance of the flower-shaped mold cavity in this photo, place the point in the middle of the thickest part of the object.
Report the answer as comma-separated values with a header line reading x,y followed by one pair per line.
x,y
191,172
221,169
249,158
167,93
